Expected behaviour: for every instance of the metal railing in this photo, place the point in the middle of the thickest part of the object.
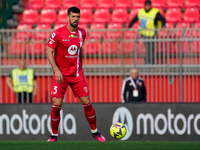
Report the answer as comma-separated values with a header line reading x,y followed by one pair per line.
x,y
171,70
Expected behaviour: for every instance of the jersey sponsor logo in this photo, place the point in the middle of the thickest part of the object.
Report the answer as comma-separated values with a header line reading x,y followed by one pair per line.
x,y
53,35
72,49
66,39
73,36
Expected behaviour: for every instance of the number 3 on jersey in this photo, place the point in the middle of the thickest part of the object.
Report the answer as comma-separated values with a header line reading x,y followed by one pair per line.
x,y
55,90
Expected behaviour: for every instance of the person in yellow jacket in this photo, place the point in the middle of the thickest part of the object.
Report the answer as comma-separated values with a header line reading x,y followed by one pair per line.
x,y
149,19
22,81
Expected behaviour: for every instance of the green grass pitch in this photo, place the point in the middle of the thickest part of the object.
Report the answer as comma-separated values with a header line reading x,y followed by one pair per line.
x,y
93,145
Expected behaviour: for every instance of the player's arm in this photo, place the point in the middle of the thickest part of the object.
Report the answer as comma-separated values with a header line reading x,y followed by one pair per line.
x,y
58,74
123,92
9,83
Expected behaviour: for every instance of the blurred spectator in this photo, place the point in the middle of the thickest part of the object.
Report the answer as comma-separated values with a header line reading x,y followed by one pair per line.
x,y
22,81
133,88
149,19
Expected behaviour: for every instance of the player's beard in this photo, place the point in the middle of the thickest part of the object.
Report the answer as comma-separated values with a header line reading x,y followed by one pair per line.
x,y
74,26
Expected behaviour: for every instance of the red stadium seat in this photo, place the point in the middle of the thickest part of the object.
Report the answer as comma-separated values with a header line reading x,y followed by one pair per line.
x,y
86,16
114,34
192,3
101,16
30,16
42,35
62,16
158,3
88,4
133,13
17,47
83,25
35,4
196,31
119,15
181,26
138,3
109,47
106,3
161,12
173,15
69,3
23,34
167,32
37,47
91,48
123,3
48,16
191,15
174,3
97,34
58,26
131,34
53,4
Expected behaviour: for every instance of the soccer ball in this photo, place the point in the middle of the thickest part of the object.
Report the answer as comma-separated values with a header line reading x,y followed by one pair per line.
x,y
118,130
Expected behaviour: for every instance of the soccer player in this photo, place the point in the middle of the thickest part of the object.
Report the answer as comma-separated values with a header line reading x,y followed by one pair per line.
x,y
66,43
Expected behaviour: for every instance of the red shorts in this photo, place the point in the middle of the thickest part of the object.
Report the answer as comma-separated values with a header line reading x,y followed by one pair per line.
x,y
78,85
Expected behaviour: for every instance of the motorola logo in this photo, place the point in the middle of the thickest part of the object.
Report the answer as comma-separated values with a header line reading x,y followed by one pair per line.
x,y
123,115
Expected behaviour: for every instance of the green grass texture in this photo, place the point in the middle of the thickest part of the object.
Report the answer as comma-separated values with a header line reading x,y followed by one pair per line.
x,y
93,145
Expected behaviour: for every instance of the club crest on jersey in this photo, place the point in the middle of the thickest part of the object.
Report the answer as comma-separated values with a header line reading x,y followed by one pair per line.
x,y
53,35
73,36
85,89
72,49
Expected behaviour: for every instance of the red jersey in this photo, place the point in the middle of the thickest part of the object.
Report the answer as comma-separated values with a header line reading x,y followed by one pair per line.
x,y
67,46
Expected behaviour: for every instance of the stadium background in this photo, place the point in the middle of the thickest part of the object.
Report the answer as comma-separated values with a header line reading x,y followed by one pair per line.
x,y
110,50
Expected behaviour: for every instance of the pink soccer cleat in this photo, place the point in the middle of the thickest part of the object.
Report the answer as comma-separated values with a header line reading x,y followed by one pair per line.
x,y
99,137
52,139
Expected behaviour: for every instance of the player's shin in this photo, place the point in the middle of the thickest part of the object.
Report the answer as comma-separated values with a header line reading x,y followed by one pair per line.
x,y
90,116
55,119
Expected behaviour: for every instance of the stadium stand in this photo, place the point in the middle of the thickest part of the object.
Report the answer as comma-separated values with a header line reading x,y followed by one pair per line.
x,y
39,34
97,34
133,13
138,3
173,15
114,34
106,4
101,16
62,16
191,15
30,16
23,34
185,26
35,4
52,4
48,16
88,4
123,3
119,15
86,16
192,3
107,49
158,3
69,3
174,3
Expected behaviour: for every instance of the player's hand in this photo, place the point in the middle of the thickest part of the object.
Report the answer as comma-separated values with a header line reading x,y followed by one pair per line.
x,y
34,93
58,76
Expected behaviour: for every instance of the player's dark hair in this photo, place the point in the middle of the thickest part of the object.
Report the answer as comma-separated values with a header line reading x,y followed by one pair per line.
x,y
147,2
73,10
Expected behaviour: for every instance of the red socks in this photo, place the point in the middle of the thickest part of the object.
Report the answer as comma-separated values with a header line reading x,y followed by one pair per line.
x,y
90,115
55,119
